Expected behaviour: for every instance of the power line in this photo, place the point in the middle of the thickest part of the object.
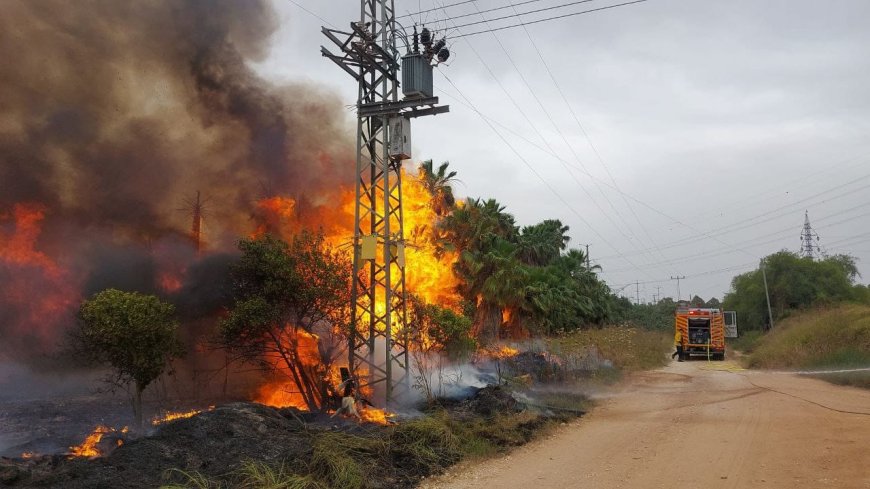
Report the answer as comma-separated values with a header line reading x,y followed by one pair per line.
x,y
512,16
727,229
538,21
535,172
493,10
312,13
547,113
434,9
588,140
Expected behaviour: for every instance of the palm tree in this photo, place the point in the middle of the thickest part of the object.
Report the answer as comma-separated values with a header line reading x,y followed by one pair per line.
x,y
541,244
496,281
439,184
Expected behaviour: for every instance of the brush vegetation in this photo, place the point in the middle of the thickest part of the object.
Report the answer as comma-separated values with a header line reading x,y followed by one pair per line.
x,y
626,347
835,337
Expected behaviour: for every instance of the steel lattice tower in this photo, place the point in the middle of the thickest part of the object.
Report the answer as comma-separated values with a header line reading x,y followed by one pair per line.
x,y
378,340
809,239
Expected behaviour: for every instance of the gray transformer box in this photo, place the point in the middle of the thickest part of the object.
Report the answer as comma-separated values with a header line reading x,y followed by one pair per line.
x,y
416,76
400,138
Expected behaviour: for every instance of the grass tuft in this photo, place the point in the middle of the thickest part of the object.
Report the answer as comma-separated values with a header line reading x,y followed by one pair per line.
x,y
425,445
341,458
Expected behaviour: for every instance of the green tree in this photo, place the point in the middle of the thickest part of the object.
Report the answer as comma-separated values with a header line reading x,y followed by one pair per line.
x,y
134,334
288,296
794,283
542,243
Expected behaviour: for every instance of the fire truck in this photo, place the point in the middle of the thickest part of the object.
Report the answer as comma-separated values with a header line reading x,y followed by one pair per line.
x,y
701,332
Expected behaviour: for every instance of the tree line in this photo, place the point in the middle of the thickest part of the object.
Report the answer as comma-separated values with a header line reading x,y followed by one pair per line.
x,y
290,310
794,283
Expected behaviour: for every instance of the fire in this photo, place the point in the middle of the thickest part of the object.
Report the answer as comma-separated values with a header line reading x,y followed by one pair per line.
x,y
504,352
29,455
281,395
170,282
377,416
90,447
19,248
40,291
428,270
428,274
173,415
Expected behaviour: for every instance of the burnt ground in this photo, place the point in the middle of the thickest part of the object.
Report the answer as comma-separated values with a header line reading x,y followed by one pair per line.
x,y
215,443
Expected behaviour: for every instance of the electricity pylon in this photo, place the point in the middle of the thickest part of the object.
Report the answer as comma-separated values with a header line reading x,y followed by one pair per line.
x,y
368,53
809,239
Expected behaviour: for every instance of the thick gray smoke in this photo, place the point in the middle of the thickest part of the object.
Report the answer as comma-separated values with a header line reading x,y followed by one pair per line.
x,y
112,113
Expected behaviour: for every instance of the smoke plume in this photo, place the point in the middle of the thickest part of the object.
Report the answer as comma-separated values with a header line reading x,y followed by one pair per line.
x,y
111,115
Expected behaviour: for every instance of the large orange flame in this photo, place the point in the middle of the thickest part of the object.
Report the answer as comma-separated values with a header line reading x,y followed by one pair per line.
x,y
46,292
428,273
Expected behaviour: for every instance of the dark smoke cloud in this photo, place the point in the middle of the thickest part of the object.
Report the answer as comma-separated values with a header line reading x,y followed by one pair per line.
x,y
112,113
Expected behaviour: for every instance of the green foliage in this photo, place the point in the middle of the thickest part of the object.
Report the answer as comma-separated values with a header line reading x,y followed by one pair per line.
x,y
284,291
795,283
658,316
133,333
443,330
527,276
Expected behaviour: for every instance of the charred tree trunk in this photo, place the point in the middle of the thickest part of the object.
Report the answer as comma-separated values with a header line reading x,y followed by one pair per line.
x,y
487,321
137,406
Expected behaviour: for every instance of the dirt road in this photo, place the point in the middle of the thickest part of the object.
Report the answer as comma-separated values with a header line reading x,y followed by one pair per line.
x,y
697,425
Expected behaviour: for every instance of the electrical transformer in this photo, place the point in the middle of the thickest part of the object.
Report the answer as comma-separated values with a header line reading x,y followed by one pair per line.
x,y
416,76
400,138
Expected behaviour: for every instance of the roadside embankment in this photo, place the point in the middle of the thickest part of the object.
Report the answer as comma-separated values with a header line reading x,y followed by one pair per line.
x,y
825,339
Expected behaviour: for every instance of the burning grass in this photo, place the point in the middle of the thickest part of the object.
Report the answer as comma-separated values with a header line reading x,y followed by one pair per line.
x,y
91,446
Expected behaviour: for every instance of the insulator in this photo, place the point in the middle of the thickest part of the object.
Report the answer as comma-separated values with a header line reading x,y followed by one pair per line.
x,y
443,54
426,37
438,45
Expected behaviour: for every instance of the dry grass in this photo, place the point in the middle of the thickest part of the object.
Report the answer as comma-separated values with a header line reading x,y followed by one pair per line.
x,y
627,348
832,337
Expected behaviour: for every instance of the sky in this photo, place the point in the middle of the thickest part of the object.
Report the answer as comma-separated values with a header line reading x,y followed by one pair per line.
x,y
677,138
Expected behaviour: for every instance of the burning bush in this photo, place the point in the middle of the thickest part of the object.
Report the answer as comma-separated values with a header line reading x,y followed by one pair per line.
x,y
291,312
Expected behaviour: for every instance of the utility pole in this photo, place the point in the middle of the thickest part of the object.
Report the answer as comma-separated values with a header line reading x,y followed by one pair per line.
x,y
766,294
658,293
637,292
678,278
588,267
379,335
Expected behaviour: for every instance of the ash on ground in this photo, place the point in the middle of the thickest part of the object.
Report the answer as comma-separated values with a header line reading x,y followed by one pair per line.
x,y
216,443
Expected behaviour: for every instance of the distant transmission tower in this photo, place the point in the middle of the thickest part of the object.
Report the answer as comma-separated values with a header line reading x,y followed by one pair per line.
x,y
809,239
378,342
196,208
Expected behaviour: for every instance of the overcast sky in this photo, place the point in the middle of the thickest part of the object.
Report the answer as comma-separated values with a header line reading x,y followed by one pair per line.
x,y
712,125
